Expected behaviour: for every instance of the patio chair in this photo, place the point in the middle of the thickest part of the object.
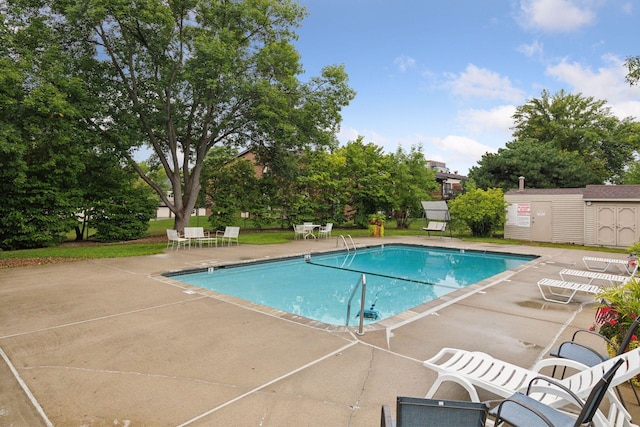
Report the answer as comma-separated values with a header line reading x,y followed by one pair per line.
x,y
174,240
522,410
325,230
476,370
199,236
229,235
416,412
298,231
588,356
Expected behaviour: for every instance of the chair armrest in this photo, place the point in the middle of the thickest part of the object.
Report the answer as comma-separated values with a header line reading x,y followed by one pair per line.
x,y
587,331
218,233
558,361
555,388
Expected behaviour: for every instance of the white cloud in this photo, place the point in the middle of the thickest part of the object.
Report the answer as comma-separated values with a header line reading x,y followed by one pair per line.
x,y
607,83
477,82
534,49
556,15
404,62
499,118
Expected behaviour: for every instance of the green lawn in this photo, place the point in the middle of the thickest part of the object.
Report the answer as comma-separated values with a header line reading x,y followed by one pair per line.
x,y
247,236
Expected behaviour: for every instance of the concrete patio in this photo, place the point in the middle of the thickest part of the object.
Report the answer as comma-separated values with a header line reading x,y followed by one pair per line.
x,y
110,342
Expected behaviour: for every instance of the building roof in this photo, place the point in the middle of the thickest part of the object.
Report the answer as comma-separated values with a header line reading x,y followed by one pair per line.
x,y
443,176
612,192
558,191
590,192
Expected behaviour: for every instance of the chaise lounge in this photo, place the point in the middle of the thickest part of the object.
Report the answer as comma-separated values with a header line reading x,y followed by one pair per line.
x,y
475,370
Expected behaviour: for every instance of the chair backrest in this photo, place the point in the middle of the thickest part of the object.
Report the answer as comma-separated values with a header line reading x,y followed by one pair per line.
x,y
193,232
629,335
597,394
172,234
328,227
232,232
414,411
298,228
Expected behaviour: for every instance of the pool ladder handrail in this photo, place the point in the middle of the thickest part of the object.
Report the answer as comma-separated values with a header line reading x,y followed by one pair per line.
x,y
345,242
362,283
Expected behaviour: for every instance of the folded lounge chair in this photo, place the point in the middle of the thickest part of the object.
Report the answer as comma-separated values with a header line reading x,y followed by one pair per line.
x,y
475,370
562,292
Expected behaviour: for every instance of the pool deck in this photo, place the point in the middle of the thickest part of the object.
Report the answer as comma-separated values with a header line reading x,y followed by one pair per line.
x,y
110,342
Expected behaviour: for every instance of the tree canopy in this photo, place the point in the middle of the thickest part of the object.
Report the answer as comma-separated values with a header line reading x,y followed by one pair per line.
x,y
561,140
184,76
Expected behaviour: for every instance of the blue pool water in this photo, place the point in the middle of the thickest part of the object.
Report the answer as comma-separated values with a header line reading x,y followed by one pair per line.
x,y
398,277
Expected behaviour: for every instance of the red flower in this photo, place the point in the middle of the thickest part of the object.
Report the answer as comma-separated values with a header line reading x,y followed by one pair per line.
x,y
613,321
634,337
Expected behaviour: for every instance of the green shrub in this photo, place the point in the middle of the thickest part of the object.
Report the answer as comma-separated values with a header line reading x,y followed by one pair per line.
x,y
484,211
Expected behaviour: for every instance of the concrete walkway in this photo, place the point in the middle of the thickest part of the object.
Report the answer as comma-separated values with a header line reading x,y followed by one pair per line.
x,y
108,343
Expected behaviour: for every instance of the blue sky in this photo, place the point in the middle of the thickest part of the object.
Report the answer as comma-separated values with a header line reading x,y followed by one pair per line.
x,y
448,75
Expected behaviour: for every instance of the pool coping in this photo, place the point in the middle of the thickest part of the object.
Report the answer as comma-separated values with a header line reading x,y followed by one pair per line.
x,y
389,323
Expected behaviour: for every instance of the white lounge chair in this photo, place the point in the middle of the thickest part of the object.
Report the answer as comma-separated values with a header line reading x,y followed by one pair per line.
x,y
174,239
630,265
476,370
229,235
592,276
562,292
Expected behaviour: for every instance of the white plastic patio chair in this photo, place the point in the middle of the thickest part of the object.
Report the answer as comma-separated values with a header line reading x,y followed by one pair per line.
x,y
174,239
298,231
229,235
325,230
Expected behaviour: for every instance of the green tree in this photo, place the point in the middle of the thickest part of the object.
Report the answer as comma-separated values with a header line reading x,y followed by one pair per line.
x,y
633,66
40,120
412,182
367,174
577,124
185,76
230,186
542,165
484,211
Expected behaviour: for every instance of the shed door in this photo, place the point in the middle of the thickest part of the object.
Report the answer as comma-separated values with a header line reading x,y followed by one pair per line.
x,y
616,225
541,221
626,232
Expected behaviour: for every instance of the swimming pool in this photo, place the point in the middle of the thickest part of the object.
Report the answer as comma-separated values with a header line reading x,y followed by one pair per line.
x,y
318,286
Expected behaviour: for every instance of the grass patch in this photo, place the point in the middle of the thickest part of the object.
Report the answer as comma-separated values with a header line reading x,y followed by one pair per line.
x,y
157,229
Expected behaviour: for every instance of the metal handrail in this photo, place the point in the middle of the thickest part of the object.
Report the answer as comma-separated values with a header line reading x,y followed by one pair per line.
x,y
344,241
362,283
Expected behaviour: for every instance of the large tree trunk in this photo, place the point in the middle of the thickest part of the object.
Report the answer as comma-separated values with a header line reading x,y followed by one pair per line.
x,y
182,220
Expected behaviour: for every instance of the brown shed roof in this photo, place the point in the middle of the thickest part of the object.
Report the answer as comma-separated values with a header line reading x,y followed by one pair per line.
x,y
612,192
591,192
547,191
